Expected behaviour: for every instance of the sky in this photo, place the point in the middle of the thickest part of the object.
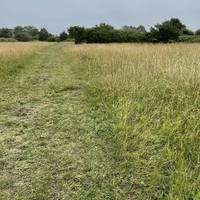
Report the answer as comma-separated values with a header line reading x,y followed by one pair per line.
x,y
57,15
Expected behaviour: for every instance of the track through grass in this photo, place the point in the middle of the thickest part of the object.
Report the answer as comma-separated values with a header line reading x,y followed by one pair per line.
x,y
53,145
104,122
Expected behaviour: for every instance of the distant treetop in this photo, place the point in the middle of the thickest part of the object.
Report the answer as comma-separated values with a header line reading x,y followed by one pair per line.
x,y
168,31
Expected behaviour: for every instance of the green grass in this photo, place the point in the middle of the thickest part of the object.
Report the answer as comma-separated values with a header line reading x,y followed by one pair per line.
x,y
73,128
53,145
151,93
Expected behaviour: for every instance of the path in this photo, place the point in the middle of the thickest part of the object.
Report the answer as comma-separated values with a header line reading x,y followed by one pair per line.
x,y
49,143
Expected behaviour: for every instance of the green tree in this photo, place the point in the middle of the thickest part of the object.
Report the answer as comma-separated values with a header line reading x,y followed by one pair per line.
x,y
197,32
63,36
20,34
102,33
6,33
167,31
44,35
32,31
140,29
78,33
187,32
53,38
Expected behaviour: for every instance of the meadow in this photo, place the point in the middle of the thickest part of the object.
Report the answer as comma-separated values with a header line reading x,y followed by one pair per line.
x,y
152,93
99,121
13,54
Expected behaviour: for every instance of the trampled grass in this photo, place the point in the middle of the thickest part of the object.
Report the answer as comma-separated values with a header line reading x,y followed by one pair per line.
x,y
152,94
52,144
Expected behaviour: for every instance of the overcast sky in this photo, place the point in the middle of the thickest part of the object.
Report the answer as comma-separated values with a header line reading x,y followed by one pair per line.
x,y
56,15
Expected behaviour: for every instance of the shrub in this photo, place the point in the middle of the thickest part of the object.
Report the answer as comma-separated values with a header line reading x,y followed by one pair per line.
x,y
197,32
63,36
189,38
6,33
44,35
8,40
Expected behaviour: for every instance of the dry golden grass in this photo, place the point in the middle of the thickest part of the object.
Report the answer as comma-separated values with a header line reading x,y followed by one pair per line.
x,y
13,52
137,125
153,94
122,65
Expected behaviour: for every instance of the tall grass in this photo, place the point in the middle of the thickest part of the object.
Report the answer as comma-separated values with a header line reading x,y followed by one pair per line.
x,y
153,95
13,54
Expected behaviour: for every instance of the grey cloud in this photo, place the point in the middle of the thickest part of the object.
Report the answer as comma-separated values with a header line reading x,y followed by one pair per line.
x,y
58,14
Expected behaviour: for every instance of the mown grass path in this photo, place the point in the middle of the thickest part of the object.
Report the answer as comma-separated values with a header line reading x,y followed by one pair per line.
x,y
52,144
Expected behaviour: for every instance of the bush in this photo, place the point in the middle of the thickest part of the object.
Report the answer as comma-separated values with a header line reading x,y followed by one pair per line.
x,y
23,37
197,32
44,35
8,40
168,31
105,33
78,33
63,36
189,38
53,38
187,32
6,33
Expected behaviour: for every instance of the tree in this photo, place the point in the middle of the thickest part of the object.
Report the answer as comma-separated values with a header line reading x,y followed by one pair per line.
x,y
177,24
20,34
53,38
140,29
6,33
27,33
102,33
105,33
197,32
78,33
167,31
44,35
32,31
23,37
63,36
187,32
132,36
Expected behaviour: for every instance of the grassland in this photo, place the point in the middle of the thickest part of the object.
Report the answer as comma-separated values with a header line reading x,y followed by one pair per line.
x,y
117,121
12,55
152,94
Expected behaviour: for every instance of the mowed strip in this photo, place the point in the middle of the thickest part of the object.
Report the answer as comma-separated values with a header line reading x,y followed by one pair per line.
x,y
49,142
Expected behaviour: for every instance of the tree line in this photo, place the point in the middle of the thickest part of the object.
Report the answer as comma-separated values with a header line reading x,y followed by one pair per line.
x,y
172,30
31,33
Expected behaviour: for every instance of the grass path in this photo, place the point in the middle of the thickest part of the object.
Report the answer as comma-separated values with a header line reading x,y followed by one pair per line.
x,y
52,144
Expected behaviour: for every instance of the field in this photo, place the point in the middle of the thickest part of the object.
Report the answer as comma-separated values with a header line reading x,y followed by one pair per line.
x,y
112,121
13,53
